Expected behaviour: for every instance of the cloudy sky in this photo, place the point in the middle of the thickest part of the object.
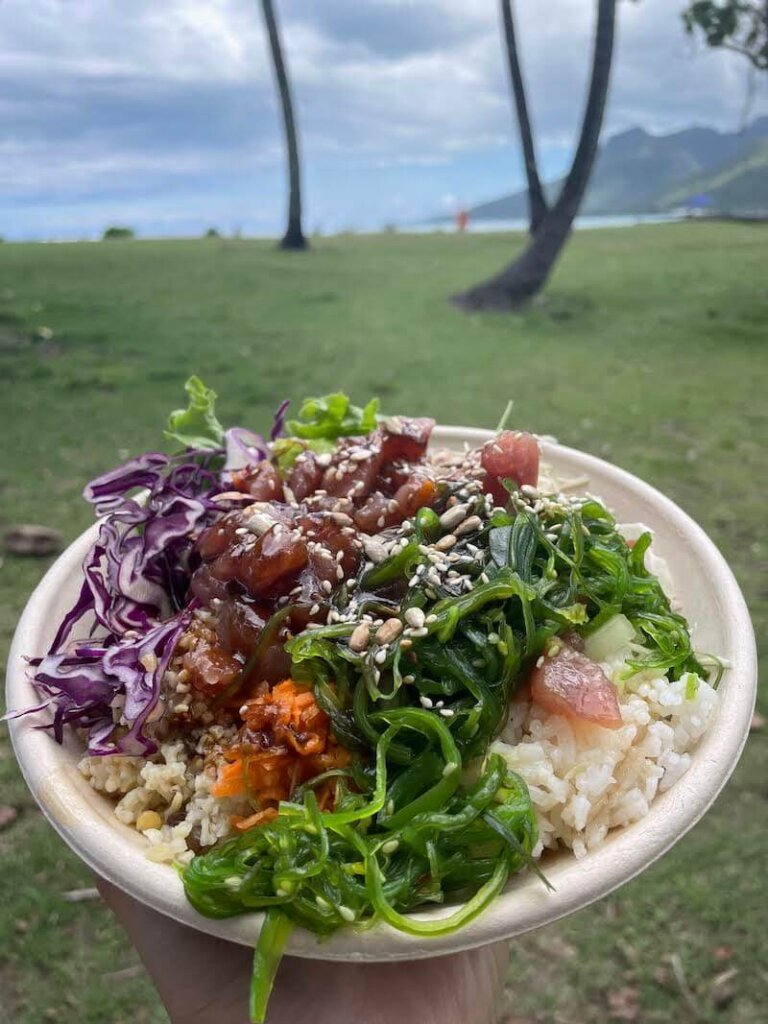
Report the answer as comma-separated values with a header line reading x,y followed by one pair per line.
x,y
161,114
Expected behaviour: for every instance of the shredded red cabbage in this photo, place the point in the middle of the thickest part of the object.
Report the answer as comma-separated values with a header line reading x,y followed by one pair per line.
x,y
135,582
279,424
243,448
137,572
88,686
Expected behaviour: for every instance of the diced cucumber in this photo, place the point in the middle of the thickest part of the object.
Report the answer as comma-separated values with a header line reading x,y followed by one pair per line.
x,y
609,639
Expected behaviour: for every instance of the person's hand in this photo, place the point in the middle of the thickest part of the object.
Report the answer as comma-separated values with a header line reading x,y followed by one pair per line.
x,y
203,980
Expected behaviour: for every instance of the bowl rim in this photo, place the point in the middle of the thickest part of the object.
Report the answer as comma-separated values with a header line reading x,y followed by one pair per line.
x,y
115,852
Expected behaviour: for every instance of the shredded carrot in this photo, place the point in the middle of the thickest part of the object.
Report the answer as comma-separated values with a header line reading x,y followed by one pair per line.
x,y
259,818
295,744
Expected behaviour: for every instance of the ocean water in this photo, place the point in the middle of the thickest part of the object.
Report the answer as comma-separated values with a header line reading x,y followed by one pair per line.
x,y
586,223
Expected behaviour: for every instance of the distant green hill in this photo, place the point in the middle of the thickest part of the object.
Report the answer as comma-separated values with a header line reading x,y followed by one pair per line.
x,y
637,172
741,187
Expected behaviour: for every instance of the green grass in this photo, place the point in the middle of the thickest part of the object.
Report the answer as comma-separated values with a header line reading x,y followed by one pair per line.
x,y
649,350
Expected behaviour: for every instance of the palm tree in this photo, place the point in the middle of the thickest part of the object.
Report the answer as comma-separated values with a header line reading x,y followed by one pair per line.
x,y
537,204
526,276
294,236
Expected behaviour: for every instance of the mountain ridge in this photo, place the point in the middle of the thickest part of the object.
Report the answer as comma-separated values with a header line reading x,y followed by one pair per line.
x,y
639,172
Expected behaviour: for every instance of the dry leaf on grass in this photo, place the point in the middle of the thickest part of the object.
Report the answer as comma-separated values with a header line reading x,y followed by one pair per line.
x,y
8,815
723,989
32,539
623,1004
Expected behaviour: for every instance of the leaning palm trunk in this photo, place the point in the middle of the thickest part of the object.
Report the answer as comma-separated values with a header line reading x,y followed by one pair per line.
x,y
537,204
526,276
294,236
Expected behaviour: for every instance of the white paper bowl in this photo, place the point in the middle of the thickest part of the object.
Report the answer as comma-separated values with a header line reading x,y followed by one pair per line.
x,y
711,600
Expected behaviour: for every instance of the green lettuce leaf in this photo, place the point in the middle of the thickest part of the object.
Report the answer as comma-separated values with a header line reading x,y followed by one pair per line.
x,y
197,425
333,416
287,449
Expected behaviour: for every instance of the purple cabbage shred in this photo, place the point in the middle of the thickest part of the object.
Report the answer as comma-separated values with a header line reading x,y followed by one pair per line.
x,y
105,667
94,685
132,604
279,424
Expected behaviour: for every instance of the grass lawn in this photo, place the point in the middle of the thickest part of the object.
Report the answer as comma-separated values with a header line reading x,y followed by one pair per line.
x,y
649,350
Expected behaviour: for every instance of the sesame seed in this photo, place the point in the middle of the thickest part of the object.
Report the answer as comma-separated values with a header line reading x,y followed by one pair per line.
x,y
327,586
380,656
453,517
425,702
374,549
360,637
347,913
415,617
389,631
468,526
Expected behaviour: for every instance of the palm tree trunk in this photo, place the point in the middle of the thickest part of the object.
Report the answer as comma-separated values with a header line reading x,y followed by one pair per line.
x,y
527,275
294,236
537,204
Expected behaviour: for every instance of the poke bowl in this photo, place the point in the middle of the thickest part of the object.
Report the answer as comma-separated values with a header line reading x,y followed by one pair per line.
x,y
581,793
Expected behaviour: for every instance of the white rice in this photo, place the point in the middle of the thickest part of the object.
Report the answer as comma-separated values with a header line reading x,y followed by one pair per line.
x,y
585,779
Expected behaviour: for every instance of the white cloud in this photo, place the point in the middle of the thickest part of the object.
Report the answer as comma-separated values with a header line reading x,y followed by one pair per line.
x,y
142,93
